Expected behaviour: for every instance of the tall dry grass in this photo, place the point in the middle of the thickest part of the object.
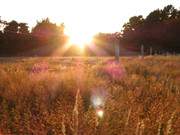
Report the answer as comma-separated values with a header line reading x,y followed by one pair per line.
x,y
52,96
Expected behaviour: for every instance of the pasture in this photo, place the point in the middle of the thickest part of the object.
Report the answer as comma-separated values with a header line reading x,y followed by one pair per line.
x,y
90,96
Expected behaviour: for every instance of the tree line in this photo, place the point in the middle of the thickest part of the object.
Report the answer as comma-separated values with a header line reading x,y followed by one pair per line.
x,y
17,40
159,32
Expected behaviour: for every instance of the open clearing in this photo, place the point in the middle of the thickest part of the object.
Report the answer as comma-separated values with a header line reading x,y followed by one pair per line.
x,y
88,96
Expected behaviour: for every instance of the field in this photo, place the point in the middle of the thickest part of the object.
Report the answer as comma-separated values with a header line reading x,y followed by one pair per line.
x,y
90,96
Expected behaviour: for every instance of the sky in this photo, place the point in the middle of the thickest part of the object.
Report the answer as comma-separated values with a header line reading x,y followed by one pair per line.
x,y
82,18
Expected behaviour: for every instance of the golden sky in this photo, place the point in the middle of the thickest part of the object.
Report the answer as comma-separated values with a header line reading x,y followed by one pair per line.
x,y
82,18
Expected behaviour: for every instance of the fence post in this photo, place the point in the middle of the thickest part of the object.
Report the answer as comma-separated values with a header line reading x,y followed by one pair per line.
x,y
142,51
151,51
116,51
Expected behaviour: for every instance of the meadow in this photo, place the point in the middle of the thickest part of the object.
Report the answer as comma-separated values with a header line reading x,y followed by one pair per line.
x,y
90,96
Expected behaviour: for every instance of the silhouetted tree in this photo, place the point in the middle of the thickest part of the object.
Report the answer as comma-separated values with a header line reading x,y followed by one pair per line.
x,y
134,22
169,12
49,35
158,30
154,17
45,28
12,27
23,28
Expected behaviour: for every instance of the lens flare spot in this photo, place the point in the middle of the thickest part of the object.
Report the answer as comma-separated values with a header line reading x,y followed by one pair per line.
x,y
100,113
97,101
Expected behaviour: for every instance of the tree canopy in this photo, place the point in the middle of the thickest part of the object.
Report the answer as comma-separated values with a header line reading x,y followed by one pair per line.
x,y
16,39
158,30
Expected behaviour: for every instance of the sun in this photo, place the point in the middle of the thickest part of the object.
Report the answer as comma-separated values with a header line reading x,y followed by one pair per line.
x,y
80,39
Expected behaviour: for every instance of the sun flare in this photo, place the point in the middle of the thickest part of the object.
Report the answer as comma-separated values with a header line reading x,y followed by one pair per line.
x,y
80,39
